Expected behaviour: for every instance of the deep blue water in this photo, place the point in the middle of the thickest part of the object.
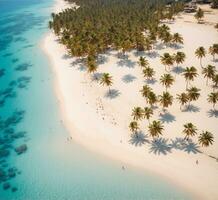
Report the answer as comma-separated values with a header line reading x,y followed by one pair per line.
x,y
51,167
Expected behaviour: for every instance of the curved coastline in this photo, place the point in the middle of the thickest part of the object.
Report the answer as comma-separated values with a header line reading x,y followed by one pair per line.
x,y
87,128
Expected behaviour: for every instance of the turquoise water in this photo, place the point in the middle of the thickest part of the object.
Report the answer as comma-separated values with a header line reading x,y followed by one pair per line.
x,y
52,167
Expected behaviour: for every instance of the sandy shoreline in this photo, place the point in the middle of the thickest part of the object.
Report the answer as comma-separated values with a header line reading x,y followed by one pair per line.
x,y
106,130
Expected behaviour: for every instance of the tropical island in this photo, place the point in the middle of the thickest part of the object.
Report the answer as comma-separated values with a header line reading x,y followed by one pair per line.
x,y
159,63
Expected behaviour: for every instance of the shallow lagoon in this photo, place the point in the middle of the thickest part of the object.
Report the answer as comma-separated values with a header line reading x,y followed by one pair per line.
x,y
52,167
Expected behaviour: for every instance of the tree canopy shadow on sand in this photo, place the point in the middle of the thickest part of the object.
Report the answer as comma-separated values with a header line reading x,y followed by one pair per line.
x,y
139,53
112,94
152,54
126,63
160,146
164,146
167,117
191,108
101,59
96,76
151,81
178,70
138,139
212,113
128,78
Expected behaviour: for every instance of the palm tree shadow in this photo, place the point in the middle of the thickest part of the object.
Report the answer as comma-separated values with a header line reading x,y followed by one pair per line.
x,y
167,118
151,81
159,46
96,76
212,113
192,108
178,70
126,63
178,143
66,57
101,59
139,53
160,146
128,78
112,94
138,139
120,55
77,61
191,147
153,54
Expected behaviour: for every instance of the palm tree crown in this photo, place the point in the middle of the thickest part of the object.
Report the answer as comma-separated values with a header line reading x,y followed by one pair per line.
x,y
166,99
167,60
213,98
209,72
179,57
177,38
106,79
155,128
189,73
148,112
148,72
145,90
215,81
213,50
193,94
137,113
182,98
206,139
189,130
133,126
152,98
200,53
167,80
143,62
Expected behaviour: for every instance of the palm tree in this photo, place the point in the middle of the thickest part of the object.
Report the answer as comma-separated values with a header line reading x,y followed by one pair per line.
x,y
166,99
193,94
183,99
143,62
148,72
213,50
137,113
167,80
189,130
179,57
92,68
167,60
177,38
148,112
106,79
148,44
199,14
189,73
152,98
200,53
209,72
155,129
206,138
213,98
145,91
133,126
215,81
167,38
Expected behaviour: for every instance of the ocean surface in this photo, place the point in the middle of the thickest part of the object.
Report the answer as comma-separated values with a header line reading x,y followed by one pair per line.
x,y
48,166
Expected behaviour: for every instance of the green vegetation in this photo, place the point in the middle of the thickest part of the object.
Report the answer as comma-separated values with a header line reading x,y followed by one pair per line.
x,y
199,15
100,24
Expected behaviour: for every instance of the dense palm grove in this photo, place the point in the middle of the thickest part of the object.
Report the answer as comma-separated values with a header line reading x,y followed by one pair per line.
x,y
98,25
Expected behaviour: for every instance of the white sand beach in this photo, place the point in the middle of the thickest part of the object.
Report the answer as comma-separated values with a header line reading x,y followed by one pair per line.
x,y
100,121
